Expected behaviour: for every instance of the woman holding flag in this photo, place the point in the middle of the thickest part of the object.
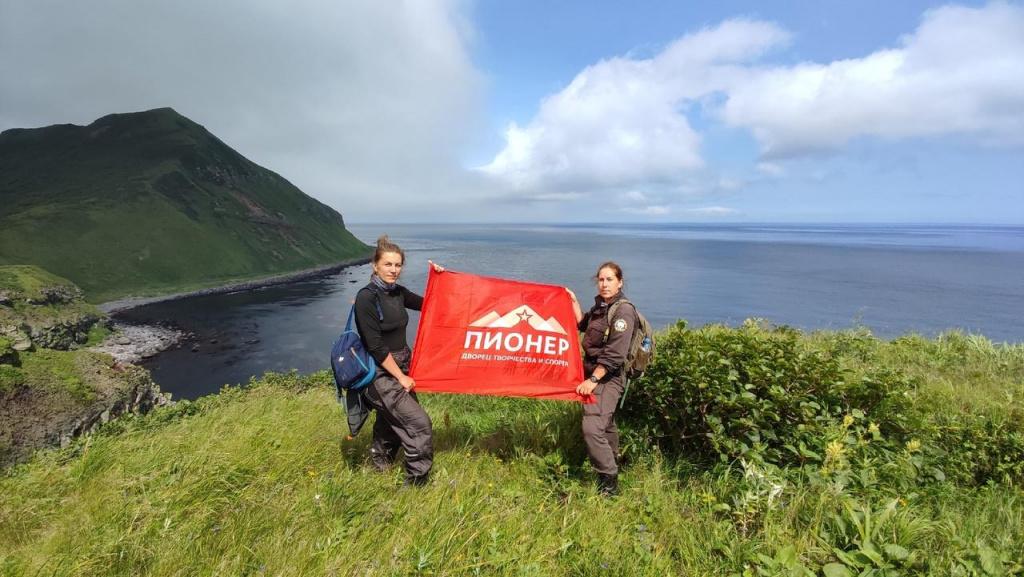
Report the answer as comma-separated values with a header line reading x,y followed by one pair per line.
x,y
605,346
381,318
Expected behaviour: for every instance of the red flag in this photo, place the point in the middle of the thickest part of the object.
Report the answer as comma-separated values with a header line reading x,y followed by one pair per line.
x,y
491,336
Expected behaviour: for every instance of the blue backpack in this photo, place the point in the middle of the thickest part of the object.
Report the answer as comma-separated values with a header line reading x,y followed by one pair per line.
x,y
353,366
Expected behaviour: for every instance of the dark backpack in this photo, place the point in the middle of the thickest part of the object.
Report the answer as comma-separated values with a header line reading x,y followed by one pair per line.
x,y
641,344
352,364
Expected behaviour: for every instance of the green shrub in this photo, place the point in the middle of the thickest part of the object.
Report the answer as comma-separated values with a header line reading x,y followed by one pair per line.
x,y
982,448
763,395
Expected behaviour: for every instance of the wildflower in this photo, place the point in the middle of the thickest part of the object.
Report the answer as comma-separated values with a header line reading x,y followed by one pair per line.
x,y
847,421
873,428
316,497
913,445
834,451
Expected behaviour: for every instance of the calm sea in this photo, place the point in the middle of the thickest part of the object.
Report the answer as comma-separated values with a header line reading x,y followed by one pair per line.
x,y
893,279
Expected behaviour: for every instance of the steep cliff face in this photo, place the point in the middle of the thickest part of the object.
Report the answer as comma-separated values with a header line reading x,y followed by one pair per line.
x,y
151,202
51,388
64,394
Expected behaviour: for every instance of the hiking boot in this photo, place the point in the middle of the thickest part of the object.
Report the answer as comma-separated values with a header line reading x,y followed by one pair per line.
x,y
607,485
416,481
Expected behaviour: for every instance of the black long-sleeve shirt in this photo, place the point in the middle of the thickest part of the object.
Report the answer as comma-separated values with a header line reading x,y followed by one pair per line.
x,y
383,336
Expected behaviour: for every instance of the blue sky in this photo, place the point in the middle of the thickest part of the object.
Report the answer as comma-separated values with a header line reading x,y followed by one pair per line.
x,y
533,111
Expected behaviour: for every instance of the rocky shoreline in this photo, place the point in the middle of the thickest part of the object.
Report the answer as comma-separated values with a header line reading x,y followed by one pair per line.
x,y
129,344
124,304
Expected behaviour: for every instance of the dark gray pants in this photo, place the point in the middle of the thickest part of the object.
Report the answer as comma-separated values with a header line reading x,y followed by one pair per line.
x,y
599,431
401,422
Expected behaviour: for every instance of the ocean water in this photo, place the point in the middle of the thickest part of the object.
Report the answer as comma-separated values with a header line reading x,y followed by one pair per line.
x,y
892,279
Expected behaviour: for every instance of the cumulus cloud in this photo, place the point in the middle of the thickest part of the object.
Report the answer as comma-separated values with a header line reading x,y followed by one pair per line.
x,y
619,123
622,123
960,72
654,210
365,105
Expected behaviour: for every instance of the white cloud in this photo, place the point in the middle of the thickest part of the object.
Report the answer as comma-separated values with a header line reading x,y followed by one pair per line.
x,y
771,169
636,196
961,72
618,123
621,123
365,105
712,211
729,184
656,210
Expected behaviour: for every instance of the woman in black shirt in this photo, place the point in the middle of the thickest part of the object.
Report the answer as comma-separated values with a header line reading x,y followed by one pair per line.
x,y
381,318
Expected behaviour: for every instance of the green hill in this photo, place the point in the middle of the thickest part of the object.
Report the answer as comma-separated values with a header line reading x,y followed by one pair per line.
x,y
151,202
263,481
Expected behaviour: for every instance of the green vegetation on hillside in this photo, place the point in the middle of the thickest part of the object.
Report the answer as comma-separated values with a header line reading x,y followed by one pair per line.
x,y
43,307
262,481
150,203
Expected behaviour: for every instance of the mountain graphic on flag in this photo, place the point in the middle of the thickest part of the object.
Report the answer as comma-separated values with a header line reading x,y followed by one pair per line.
x,y
493,320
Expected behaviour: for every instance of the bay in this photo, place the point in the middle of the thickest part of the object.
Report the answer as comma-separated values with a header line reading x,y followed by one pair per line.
x,y
892,279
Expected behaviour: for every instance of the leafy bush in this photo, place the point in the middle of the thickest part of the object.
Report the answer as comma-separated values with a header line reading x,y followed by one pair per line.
x,y
763,395
982,448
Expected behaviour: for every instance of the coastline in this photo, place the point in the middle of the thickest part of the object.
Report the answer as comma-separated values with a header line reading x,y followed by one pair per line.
x,y
127,303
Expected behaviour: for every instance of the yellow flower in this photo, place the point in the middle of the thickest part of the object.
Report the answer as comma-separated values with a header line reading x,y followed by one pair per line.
x,y
873,428
847,420
834,451
913,445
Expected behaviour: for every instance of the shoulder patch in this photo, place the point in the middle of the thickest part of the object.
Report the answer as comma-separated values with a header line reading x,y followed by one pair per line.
x,y
620,325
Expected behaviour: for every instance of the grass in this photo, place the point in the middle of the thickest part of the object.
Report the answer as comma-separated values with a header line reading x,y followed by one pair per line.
x,y
263,481
97,334
27,282
63,371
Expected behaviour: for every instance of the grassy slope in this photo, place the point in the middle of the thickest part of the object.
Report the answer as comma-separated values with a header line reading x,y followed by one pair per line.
x,y
23,282
261,482
151,202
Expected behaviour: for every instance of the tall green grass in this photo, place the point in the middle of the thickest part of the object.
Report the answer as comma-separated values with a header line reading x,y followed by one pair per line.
x,y
264,481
